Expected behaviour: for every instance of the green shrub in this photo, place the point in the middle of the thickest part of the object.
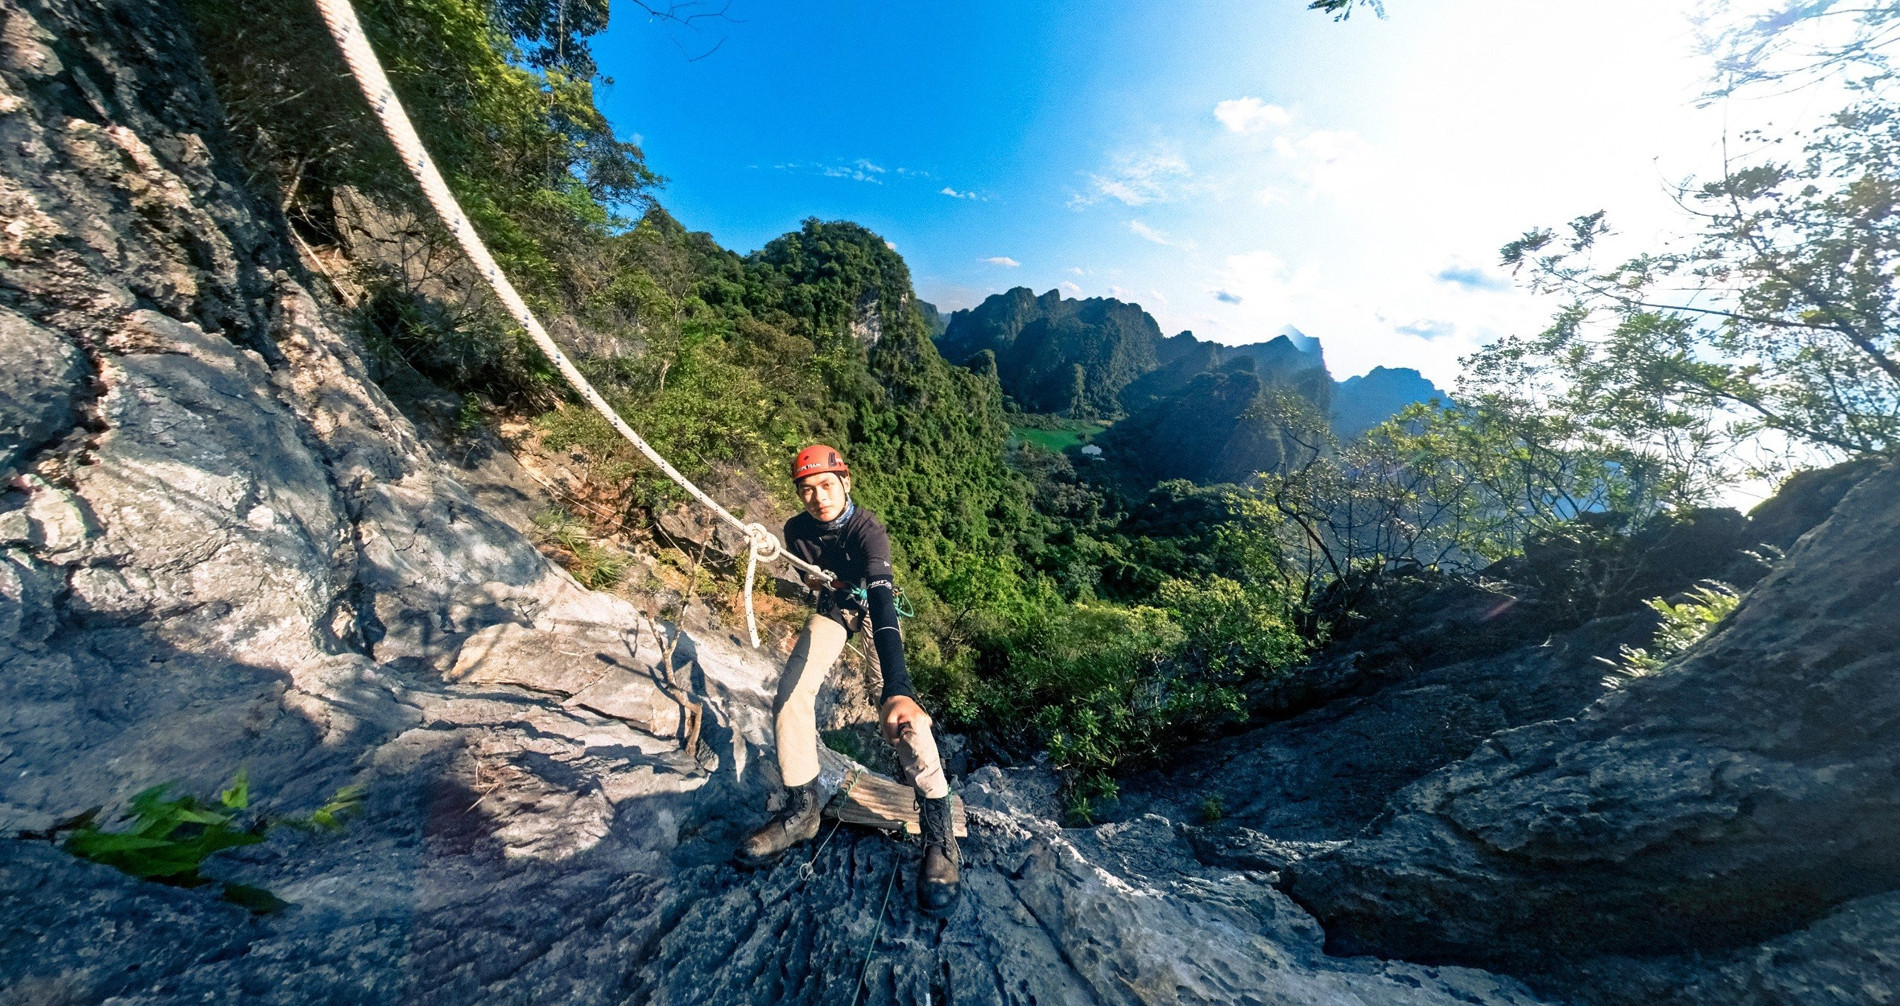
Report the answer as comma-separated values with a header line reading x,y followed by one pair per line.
x,y
595,567
1213,808
167,838
1103,687
1683,626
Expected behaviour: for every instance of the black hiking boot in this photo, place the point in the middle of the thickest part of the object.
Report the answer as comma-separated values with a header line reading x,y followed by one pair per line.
x,y
795,823
938,880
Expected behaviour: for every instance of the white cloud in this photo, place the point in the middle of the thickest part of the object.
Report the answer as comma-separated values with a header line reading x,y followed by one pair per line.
x,y
1077,270
1428,329
1332,160
1149,233
1003,260
1070,288
1260,292
1120,294
888,243
972,194
1250,115
1325,147
1473,278
859,170
1139,179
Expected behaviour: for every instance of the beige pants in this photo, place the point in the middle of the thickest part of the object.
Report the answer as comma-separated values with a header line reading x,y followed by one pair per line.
x,y
797,715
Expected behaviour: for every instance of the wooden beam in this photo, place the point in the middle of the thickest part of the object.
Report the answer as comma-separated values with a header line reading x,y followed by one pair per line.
x,y
861,796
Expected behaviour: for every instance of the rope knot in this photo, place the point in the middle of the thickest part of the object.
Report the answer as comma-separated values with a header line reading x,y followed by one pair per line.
x,y
765,545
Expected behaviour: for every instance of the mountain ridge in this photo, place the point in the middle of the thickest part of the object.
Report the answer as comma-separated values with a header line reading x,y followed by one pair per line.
x,y
1102,358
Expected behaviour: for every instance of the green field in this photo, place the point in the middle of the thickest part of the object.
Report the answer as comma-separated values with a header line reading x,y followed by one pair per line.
x,y
1057,441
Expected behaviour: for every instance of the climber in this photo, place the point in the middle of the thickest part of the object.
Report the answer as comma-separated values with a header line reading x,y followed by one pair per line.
x,y
837,534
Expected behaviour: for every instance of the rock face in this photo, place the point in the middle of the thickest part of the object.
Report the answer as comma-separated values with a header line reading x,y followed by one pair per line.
x,y
1360,403
1219,428
224,547
1054,354
1324,774
1745,790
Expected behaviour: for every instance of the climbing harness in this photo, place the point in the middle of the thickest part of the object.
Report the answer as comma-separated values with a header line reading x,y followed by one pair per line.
x,y
862,595
340,17
809,868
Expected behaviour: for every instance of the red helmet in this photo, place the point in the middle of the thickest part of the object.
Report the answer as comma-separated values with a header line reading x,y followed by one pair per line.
x,y
817,459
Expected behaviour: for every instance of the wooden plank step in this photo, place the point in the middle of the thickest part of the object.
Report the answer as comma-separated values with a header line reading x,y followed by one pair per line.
x,y
874,800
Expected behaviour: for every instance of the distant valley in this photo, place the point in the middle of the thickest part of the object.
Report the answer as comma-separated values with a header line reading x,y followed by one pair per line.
x,y
1180,407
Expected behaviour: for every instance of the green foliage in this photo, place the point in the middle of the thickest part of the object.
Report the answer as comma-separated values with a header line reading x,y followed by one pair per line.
x,y
469,414
845,742
344,804
524,147
1683,625
1229,632
167,838
1057,355
1103,687
1213,808
477,354
1783,319
595,567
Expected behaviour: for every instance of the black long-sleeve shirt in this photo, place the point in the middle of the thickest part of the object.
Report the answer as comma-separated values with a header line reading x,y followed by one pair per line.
x,y
858,553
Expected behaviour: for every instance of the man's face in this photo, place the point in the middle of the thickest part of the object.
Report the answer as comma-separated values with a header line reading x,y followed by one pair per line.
x,y
824,494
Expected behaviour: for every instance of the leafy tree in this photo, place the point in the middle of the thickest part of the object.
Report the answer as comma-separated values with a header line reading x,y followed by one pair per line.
x,y
1784,314
1801,41
925,438
520,141
1342,9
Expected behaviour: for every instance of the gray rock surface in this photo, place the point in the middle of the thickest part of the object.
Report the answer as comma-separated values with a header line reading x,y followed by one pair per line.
x,y
40,386
1324,774
1749,788
1849,957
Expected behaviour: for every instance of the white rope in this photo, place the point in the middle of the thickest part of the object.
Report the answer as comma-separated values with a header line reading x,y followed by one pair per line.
x,y
763,545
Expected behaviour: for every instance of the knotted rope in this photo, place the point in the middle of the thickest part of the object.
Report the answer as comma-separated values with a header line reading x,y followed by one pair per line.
x,y
340,17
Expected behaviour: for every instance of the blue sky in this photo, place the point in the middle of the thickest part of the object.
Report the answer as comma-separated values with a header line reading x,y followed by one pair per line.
x,y
1233,167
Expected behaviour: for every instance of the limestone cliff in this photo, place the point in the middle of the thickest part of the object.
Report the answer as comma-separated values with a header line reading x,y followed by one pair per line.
x,y
1745,790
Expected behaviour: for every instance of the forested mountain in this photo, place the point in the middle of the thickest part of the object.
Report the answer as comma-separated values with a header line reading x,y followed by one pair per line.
x,y
1184,408
1055,355
1360,403
1223,425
